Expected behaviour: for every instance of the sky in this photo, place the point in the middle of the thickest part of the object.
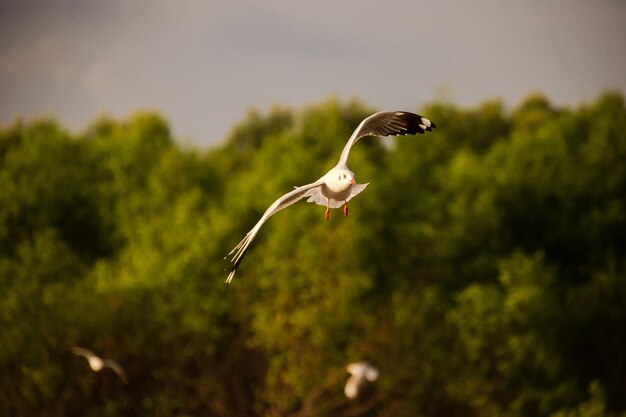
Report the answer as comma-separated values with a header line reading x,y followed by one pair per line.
x,y
203,64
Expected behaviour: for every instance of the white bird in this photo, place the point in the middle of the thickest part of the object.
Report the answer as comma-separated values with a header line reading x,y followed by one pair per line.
x,y
97,363
360,373
338,185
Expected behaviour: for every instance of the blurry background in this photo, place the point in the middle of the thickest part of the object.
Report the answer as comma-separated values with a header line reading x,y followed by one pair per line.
x,y
482,272
203,63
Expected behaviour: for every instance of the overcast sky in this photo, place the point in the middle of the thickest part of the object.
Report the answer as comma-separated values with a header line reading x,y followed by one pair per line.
x,y
203,63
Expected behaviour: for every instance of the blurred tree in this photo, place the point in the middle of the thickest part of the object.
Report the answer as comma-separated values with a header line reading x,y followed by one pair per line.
x,y
482,272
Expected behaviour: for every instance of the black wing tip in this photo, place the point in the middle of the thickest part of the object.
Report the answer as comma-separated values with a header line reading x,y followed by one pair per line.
x,y
231,273
415,123
229,279
412,119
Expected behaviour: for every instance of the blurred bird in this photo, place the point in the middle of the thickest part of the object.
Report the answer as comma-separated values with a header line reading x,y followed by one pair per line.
x,y
360,373
97,364
338,185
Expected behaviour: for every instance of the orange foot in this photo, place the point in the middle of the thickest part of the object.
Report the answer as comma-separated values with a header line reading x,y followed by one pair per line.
x,y
327,214
345,210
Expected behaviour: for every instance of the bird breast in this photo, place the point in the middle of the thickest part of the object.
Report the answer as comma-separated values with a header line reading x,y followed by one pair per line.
x,y
337,191
95,363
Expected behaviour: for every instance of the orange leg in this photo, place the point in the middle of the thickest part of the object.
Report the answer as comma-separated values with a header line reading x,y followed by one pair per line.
x,y
327,214
345,210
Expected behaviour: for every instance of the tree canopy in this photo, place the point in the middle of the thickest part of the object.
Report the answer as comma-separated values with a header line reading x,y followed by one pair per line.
x,y
483,272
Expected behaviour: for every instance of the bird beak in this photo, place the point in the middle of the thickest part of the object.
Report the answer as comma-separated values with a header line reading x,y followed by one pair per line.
x,y
352,181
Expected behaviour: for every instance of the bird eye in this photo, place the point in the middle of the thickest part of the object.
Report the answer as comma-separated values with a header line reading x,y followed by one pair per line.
x,y
344,176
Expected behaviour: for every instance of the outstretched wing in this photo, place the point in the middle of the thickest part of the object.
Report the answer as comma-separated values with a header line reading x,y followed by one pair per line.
x,y
387,123
288,199
79,351
117,368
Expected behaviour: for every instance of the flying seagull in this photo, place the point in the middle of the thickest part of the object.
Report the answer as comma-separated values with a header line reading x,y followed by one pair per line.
x,y
360,373
97,363
338,185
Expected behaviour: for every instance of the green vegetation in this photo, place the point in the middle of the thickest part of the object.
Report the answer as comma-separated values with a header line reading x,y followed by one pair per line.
x,y
483,271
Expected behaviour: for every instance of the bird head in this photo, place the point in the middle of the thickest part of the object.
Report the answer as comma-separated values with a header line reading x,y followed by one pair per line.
x,y
341,179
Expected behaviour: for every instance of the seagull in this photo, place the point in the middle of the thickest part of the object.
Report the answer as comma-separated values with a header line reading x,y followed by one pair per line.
x,y
97,364
337,186
360,372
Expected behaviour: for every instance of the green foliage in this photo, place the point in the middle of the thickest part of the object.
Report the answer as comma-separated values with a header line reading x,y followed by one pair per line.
x,y
482,271
595,406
